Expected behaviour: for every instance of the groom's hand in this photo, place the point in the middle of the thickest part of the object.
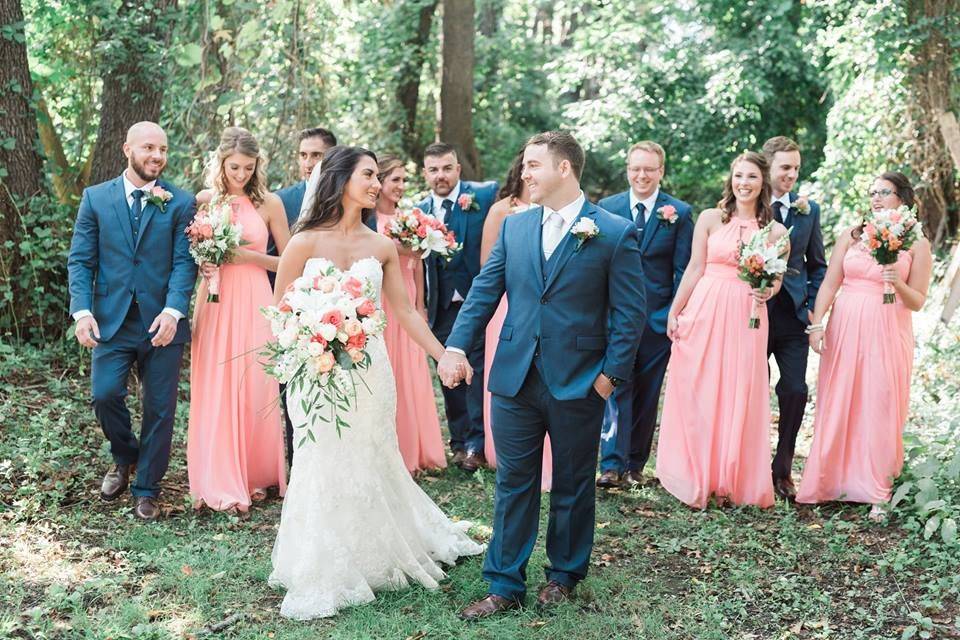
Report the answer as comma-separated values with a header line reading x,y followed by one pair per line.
x,y
452,368
87,332
603,386
166,327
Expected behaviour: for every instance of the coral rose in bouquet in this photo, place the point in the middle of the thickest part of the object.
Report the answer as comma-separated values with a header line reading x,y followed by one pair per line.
x,y
214,235
761,265
885,234
423,233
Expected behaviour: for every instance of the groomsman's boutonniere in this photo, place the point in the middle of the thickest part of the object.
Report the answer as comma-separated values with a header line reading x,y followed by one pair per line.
x,y
802,205
667,214
583,231
468,202
159,197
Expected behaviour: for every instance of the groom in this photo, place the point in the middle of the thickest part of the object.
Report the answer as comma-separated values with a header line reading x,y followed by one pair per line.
x,y
131,277
573,279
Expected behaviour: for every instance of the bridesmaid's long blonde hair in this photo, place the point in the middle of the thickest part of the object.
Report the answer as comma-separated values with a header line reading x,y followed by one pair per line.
x,y
238,140
728,203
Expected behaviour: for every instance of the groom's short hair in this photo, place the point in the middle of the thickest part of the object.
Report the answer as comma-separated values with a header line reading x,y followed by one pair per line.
x,y
563,145
777,144
319,132
438,149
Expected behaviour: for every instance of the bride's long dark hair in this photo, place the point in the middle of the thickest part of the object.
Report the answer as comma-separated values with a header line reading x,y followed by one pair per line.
x,y
335,169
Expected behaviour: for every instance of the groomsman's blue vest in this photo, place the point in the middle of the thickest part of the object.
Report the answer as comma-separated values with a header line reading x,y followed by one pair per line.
x,y
807,262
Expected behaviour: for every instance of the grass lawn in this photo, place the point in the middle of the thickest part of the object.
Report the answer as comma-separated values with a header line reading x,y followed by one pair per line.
x,y
72,566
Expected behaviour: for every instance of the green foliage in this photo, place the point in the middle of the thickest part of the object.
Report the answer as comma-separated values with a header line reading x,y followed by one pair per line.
x,y
35,300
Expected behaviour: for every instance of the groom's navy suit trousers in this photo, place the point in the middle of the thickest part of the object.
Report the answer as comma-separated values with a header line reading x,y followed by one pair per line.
x,y
569,319
126,278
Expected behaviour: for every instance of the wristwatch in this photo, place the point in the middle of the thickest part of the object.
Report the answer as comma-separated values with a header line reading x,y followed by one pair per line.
x,y
614,381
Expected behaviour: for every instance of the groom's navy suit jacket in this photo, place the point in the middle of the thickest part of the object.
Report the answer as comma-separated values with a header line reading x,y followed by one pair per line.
x,y
585,315
108,269
807,263
665,252
467,226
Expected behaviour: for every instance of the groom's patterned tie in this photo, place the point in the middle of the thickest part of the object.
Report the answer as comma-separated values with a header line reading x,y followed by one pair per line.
x,y
136,208
641,216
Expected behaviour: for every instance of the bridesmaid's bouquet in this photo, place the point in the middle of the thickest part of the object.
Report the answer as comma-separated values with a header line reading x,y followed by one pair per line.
x,y
321,327
885,234
421,232
761,265
214,236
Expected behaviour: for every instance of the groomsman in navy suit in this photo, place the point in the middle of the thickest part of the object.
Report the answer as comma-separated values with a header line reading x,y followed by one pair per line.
x,y
310,149
131,277
789,312
463,207
574,282
665,226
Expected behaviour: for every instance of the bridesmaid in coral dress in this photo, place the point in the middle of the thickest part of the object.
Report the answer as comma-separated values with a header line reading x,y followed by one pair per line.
x,y
714,435
418,426
863,391
513,198
235,439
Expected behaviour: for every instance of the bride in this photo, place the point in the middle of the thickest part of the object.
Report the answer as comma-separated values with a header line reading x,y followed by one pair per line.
x,y
353,520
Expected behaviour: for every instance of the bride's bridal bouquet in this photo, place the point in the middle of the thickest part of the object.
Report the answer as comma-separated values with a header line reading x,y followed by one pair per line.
x,y
885,234
214,236
321,326
423,233
761,265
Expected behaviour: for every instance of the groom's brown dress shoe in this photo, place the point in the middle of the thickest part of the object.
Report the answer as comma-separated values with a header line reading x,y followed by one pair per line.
x,y
785,488
554,593
473,461
147,508
115,481
491,605
609,480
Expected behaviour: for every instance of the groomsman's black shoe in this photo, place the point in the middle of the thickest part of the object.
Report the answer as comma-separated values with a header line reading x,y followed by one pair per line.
x,y
491,605
784,488
609,480
147,508
633,478
473,461
458,456
115,481
554,593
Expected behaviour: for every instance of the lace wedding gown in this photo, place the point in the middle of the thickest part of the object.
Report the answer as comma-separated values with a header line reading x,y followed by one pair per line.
x,y
354,521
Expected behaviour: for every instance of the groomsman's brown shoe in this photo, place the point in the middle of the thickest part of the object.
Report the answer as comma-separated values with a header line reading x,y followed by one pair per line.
x,y
608,480
554,593
115,481
785,488
633,478
147,508
458,456
473,461
491,605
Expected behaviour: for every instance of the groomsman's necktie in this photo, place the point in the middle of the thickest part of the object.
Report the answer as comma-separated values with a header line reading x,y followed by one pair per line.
x,y
136,208
447,206
641,216
777,211
552,233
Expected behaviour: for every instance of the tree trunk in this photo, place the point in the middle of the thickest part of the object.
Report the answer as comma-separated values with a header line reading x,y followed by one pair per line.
x,y
21,166
408,90
132,86
456,86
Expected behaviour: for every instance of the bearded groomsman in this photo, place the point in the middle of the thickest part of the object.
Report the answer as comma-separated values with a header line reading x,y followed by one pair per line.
x,y
665,227
131,277
789,312
463,207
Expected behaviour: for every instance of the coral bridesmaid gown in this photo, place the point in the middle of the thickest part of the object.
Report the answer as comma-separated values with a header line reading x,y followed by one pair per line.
x,y
235,438
714,434
863,391
418,427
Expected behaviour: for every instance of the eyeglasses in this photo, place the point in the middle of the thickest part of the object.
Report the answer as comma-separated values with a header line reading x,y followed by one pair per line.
x,y
880,193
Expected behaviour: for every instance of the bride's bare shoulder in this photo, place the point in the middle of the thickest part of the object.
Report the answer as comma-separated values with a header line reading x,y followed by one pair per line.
x,y
304,241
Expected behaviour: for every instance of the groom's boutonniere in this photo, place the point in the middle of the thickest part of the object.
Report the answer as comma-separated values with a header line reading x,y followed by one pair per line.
x,y
667,214
583,231
159,197
802,205
468,202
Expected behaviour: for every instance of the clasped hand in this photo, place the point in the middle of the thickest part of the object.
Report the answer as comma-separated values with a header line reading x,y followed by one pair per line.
x,y
453,368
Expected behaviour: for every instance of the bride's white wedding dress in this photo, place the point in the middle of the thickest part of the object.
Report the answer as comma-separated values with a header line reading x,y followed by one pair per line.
x,y
354,521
